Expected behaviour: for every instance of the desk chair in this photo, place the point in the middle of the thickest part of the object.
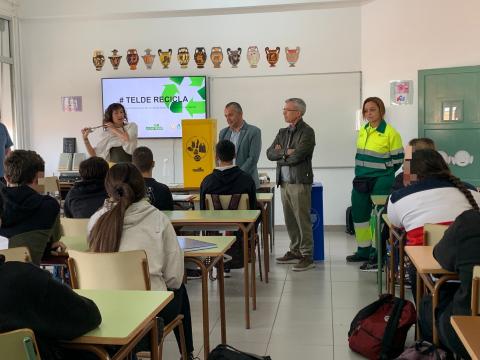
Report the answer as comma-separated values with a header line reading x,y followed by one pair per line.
x,y
233,202
126,270
17,254
73,227
19,345
476,291
433,233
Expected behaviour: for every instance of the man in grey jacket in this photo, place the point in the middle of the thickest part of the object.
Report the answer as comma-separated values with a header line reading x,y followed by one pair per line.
x,y
246,138
292,149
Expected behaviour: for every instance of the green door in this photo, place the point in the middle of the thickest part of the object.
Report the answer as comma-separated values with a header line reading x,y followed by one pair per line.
x,y
449,113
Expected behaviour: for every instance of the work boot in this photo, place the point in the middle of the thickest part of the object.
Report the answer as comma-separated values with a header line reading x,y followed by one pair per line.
x,y
290,257
305,264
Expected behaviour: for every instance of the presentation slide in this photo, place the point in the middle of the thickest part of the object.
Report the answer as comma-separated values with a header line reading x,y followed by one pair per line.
x,y
158,104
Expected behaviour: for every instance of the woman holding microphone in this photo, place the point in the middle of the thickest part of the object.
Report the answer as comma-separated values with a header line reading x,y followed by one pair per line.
x,y
119,139
379,155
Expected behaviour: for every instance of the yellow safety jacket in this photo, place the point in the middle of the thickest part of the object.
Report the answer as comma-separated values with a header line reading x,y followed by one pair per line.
x,y
379,151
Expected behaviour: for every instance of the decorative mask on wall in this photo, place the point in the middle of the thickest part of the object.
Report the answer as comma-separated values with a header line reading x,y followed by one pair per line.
x,y
216,55
234,56
98,59
200,57
165,57
272,55
253,56
148,58
292,55
183,57
115,59
132,58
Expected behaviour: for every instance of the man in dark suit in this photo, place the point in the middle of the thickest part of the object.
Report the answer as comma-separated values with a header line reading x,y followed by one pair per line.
x,y
246,138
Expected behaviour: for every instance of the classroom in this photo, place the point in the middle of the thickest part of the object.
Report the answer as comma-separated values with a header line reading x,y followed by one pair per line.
x,y
350,50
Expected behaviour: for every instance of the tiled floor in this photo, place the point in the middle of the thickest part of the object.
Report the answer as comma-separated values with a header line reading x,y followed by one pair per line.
x,y
302,315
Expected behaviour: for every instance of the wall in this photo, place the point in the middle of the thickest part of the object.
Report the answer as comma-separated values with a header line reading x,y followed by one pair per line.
x,y
401,37
56,61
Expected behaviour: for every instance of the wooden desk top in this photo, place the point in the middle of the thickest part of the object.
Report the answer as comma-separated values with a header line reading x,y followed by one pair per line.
x,y
124,314
261,197
223,244
212,216
467,329
179,187
425,263
379,200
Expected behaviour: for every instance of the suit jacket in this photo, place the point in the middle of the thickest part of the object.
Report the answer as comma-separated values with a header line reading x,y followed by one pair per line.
x,y
300,162
248,149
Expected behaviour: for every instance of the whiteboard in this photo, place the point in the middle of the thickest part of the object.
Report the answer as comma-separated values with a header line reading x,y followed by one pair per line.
x,y
332,101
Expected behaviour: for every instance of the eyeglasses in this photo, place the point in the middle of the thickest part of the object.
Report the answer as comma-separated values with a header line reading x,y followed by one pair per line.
x,y
289,109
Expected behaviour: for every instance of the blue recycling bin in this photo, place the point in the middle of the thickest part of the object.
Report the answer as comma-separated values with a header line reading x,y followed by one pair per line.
x,y
316,216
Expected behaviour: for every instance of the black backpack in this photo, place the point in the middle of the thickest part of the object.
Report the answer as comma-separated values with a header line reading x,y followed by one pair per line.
x,y
350,229
227,352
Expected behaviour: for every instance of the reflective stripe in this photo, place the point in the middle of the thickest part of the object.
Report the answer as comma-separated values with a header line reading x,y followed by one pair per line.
x,y
360,225
372,165
397,161
396,152
373,153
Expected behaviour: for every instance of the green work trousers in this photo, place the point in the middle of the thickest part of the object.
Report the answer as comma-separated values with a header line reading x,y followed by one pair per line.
x,y
362,209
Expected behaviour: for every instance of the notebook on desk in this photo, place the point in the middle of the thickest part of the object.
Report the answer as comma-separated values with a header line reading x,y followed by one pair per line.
x,y
188,244
182,197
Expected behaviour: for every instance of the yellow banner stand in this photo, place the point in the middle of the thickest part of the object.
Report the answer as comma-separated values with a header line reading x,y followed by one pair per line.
x,y
199,138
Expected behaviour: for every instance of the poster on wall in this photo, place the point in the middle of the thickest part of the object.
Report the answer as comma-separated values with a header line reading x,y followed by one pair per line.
x,y
401,92
71,103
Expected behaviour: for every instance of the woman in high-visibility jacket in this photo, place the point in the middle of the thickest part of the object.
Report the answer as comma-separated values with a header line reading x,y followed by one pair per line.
x,y
379,155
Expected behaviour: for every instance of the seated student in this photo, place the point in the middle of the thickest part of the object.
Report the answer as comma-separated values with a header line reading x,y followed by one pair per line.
x,y
28,218
159,194
413,145
458,251
129,222
434,196
228,179
89,194
31,298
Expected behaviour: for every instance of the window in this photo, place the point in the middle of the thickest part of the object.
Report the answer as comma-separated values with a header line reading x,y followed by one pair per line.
x,y
7,113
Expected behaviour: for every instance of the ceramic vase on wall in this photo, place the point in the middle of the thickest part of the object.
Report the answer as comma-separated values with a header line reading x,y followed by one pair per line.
x,y
183,57
272,55
132,58
216,56
98,59
234,56
148,58
165,57
115,59
200,57
292,55
253,56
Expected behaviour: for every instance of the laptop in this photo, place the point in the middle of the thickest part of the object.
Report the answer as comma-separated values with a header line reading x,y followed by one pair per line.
x,y
188,244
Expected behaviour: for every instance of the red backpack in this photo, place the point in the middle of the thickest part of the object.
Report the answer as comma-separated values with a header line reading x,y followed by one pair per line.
x,y
379,330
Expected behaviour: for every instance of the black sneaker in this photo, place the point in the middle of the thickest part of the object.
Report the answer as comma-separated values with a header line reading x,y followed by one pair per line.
x,y
369,266
289,258
193,274
356,257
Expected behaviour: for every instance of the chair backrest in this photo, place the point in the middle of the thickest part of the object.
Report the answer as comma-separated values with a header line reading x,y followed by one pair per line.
x,y
19,344
432,233
476,291
226,202
126,270
73,227
17,254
